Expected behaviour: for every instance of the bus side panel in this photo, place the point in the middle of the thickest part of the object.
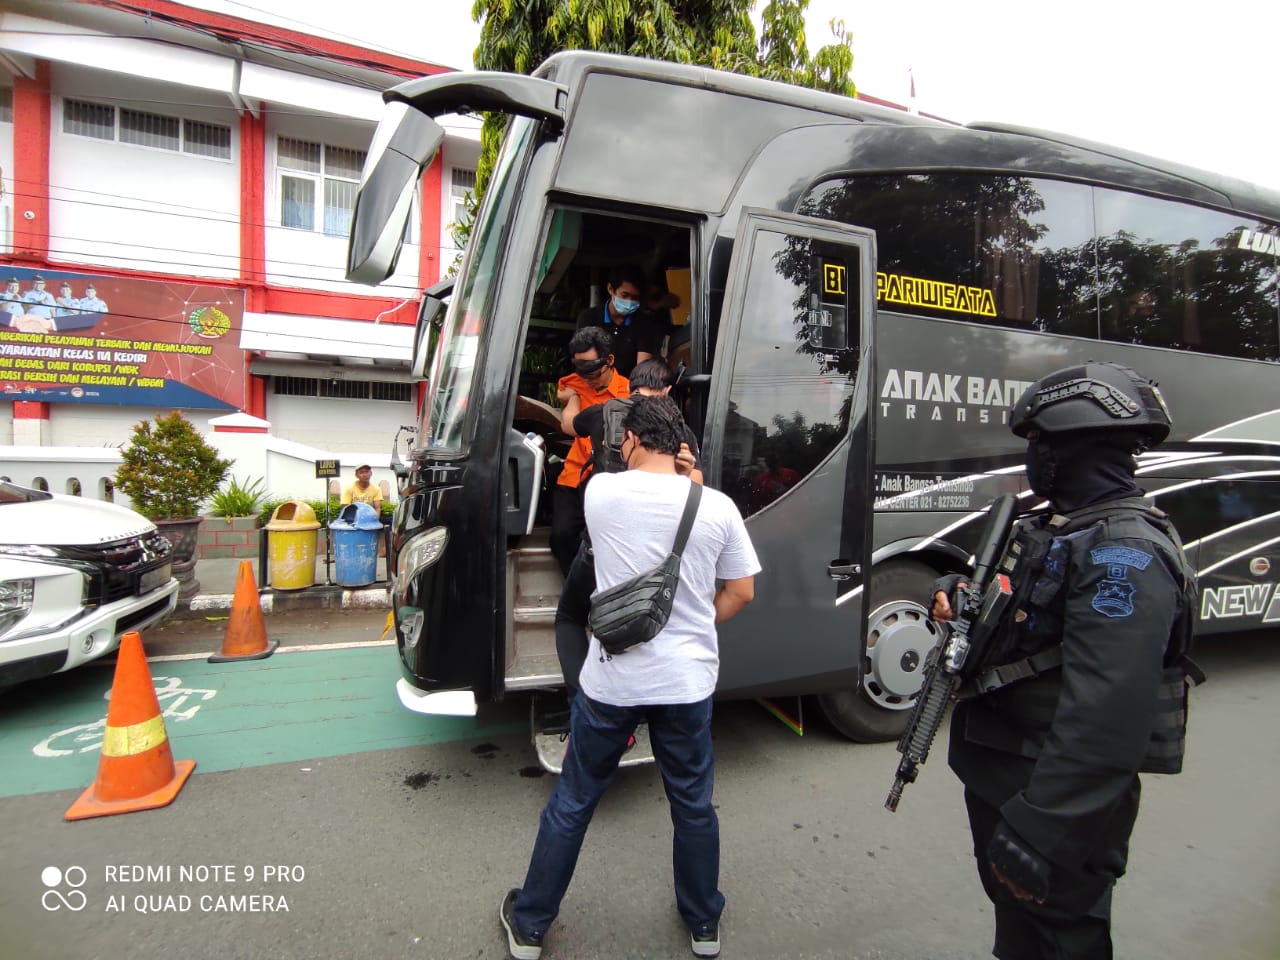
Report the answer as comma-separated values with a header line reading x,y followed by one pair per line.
x,y
942,406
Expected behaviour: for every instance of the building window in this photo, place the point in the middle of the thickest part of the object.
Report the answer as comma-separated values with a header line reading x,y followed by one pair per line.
x,y
6,104
385,390
461,182
206,139
313,172
343,389
89,120
150,130
143,129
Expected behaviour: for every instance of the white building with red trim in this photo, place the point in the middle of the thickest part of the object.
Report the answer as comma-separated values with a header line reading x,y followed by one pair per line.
x,y
199,170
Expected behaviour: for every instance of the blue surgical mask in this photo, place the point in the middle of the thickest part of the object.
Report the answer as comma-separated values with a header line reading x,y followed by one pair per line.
x,y
625,307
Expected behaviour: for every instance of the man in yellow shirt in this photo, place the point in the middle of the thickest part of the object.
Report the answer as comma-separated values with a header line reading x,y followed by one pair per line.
x,y
362,491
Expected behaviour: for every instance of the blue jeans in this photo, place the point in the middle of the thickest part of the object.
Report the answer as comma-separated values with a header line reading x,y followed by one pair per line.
x,y
598,734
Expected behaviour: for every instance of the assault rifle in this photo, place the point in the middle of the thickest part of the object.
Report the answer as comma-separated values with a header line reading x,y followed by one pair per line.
x,y
978,611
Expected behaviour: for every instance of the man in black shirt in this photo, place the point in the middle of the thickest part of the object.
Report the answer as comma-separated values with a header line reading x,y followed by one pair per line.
x,y
1084,685
634,334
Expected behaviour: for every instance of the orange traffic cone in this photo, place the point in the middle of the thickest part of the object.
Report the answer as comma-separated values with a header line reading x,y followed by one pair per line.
x,y
246,637
137,770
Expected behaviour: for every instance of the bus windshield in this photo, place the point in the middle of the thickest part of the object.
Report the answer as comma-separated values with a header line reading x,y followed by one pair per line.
x,y
446,426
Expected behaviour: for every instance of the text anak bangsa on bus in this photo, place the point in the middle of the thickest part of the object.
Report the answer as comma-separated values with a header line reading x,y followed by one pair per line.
x,y
953,397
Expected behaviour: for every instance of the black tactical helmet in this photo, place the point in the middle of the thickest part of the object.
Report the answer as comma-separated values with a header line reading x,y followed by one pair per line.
x,y
1094,396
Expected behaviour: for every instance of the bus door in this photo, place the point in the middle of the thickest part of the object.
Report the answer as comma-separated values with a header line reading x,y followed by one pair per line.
x,y
788,439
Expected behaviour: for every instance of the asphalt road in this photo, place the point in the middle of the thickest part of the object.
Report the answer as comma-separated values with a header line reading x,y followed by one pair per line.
x,y
404,851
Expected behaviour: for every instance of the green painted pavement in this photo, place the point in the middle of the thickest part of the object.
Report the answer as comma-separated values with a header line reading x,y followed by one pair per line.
x,y
225,716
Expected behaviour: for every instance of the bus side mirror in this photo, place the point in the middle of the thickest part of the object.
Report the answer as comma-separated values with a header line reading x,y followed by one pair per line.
x,y
404,143
398,466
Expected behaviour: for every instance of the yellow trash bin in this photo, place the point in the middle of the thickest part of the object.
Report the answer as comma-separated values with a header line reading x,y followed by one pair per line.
x,y
291,546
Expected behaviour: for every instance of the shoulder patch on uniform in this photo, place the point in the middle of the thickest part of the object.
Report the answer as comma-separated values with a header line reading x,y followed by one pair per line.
x,y
1115,594
1114,598
1124,556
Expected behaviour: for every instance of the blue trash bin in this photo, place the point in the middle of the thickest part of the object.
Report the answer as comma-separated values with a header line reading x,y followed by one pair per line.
x,y
356,533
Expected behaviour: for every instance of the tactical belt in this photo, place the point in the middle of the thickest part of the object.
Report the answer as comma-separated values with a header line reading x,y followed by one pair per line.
x,y
990,680
1002,676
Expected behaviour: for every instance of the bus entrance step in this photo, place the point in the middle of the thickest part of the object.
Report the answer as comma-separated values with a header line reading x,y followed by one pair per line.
x,y
552,743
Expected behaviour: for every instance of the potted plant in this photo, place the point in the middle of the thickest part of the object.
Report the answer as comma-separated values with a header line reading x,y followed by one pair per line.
x,y
168,470
237,500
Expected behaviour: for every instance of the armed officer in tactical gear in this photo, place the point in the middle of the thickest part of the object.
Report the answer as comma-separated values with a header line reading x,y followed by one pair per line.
x,y
1083,686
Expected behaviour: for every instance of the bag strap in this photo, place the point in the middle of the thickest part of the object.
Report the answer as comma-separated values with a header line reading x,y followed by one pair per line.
x,y
686,520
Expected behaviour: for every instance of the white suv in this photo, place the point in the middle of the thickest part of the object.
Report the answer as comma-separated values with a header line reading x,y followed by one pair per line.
x,y
75,574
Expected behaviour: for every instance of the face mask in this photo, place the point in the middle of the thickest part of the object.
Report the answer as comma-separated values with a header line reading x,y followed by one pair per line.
x,y
625,307
1040,468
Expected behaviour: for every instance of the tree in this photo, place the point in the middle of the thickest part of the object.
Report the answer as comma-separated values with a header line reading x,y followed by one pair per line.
x,y
517,35
168,469
784,55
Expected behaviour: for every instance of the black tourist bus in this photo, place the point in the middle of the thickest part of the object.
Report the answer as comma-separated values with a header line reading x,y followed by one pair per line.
x,y
865,293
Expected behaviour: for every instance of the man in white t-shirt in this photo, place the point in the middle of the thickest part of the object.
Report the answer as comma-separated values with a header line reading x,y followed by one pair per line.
x,y
632,519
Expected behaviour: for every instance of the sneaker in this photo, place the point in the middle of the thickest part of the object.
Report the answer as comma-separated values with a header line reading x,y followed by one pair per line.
x,y
705,940
521,946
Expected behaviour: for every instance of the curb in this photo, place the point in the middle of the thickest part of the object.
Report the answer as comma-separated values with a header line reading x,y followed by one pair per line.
x,y
310,598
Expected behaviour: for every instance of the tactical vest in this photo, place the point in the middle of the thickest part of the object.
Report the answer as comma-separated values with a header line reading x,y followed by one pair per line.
x,y
1042,541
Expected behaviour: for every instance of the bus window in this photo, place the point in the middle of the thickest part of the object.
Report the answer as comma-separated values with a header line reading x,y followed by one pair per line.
x,y
794,368
447,419
1174,275
1013,251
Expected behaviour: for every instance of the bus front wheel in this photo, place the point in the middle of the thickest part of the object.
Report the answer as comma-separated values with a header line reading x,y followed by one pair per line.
x,y
899,638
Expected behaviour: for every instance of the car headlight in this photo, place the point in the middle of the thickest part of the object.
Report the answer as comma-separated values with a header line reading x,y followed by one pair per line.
x,y
26,550
16,597
421,552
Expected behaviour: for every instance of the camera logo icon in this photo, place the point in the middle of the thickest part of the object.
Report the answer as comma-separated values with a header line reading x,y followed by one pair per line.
x,y
54,898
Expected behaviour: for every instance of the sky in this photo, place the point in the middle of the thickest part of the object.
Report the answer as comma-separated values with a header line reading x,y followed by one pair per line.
x,y
1185,81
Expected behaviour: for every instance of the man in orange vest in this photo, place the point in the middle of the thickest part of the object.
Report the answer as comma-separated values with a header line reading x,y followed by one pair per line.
x,y
594,380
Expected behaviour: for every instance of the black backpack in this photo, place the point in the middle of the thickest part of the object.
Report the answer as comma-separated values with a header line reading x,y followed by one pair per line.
x,y
607,457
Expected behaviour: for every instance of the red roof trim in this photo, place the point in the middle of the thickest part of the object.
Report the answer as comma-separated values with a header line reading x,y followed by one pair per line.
x,y
897,106
884,103
218,429
237,28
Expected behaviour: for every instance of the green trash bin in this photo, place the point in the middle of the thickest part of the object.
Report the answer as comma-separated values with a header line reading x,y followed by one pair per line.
x,y
291,546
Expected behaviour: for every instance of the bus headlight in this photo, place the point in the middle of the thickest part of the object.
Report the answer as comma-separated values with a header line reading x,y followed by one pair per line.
x,y
421,552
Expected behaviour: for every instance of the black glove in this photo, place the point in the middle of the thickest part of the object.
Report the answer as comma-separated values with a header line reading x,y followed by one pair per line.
x,y
950,586
1017,865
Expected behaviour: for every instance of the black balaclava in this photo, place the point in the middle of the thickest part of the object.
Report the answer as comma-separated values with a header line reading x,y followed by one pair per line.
x,y
1075,470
